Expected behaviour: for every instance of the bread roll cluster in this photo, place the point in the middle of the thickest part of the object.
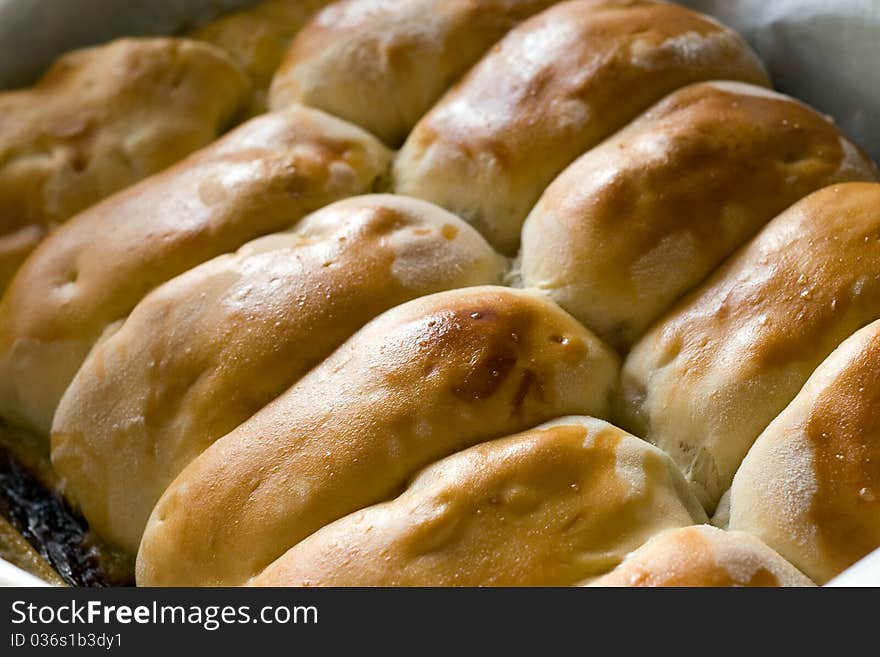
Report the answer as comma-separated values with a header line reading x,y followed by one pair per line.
x,y
166,385
727,358
549,506
534,345
100,120
551,89
89,274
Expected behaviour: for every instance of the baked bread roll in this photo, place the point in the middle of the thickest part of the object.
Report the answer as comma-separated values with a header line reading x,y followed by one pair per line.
x,y
555,86
547,507
99,120
243,369
707,379
421,381
636,222
810,485
262,177
257,38
704,556
383,64
204,352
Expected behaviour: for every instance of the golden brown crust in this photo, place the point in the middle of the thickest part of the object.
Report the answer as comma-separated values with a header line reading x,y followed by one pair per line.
x,y
99,120
257,38
547,507
262,177
712,373
554,87
383,64
639,220
257,414
205,351
419,382
704,556
810,485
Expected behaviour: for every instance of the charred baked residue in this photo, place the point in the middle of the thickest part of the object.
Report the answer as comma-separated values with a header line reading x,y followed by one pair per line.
x,y
55,530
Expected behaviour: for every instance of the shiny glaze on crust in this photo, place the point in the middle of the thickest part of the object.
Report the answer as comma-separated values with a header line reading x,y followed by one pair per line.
x,y
636,222
419,382
809,486
547,507
382,64
554,87
704,556
711,374
843,428
262,177
101,119
207,350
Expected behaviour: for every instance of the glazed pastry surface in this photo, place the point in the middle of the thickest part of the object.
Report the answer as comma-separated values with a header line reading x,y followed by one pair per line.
x,y
262,177
712,373
207,350
546,507
423,380
809,486
608,277
635,223
554,87
99,120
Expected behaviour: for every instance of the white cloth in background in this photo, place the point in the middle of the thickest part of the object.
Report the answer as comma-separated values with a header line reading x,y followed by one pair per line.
x,y
826,53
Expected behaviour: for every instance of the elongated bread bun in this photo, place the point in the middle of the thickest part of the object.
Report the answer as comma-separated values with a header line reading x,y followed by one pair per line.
x,y
636,222
262,177
709,377
810,485
554,87
383,64
547,507
208,349
421,381
257,38
99,120
704,556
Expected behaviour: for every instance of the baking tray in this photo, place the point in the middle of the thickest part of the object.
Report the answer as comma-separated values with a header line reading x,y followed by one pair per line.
x,y
824,53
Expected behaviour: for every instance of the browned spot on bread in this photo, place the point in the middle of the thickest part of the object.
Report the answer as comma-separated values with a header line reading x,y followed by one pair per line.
x,y
449,231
